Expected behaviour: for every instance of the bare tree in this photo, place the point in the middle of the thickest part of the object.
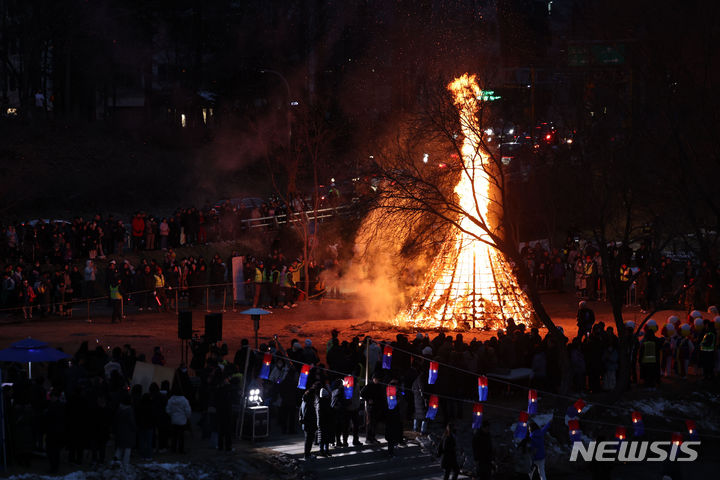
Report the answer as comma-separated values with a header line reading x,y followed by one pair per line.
x,y
417,193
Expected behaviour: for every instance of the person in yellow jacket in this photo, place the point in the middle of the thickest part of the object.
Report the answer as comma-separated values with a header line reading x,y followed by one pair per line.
x,y
295,271
160,295
649,357
257,282
116,300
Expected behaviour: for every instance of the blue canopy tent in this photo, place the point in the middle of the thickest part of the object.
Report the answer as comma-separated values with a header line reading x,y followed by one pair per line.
x,y
28,350
31,350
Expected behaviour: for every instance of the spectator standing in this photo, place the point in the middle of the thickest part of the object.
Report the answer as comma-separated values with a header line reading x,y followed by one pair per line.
x,y
138,232
585,320
447,451
125,430
537,444
179,410
374,396
309,415
89,281
146,423
164,233
610,360
326,421
394,422
650,355
54,424
482,452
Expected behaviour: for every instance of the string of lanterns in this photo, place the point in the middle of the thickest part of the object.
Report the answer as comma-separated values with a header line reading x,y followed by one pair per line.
x,y
511,384
572,414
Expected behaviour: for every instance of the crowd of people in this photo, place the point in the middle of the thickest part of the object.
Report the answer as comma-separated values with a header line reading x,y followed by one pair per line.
x,y
85,401
650,279
61,241
47,288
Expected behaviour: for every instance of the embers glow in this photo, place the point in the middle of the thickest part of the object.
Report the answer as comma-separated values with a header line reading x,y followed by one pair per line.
x,y
469,279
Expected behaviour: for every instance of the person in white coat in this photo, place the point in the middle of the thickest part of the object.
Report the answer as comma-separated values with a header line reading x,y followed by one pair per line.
x,y
178,408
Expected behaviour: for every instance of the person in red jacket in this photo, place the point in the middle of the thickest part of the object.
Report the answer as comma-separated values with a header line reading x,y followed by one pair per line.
x,y
138,231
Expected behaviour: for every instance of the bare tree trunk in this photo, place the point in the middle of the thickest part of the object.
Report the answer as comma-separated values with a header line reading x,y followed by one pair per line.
x,y
542,315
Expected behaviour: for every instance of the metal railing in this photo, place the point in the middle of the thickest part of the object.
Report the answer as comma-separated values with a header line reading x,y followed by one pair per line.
x,y
211,297
294,217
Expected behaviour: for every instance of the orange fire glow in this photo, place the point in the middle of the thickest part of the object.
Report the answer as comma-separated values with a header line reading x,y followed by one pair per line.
x,y
469,279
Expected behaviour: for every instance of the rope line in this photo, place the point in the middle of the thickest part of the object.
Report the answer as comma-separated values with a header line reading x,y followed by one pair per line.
x,y
472,402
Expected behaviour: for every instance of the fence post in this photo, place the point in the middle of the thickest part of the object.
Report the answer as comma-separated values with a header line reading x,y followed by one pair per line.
x,y
207,299
89,320
224,298
177,299
238,431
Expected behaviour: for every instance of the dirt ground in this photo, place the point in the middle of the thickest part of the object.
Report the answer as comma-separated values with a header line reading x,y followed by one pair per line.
x,y
312,320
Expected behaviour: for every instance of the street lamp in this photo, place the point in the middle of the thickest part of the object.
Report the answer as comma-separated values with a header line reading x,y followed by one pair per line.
x,y
289,101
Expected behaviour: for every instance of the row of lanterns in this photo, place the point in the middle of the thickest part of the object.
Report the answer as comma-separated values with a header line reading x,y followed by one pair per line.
x,y
621,431
572,413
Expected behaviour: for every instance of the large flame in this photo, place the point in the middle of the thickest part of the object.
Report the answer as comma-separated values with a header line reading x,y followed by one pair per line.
x,y
469,282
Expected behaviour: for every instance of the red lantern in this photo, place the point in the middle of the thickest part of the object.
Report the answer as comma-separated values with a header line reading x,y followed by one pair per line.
x,y
521,427
532,401
692,430
387,357
677,438
348,384
523,418
477,415
433,373
579,405
574,430
620,433
391,393
302,380
482,388
638,427
265,368
432,407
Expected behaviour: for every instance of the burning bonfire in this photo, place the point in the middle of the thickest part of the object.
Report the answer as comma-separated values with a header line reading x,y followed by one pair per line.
x,y
469,283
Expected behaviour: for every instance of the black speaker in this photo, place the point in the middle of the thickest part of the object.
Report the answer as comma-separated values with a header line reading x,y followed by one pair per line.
x,y
185,325
213,327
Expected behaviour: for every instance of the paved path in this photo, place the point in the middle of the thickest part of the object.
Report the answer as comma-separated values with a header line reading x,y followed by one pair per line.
x,y
411,461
